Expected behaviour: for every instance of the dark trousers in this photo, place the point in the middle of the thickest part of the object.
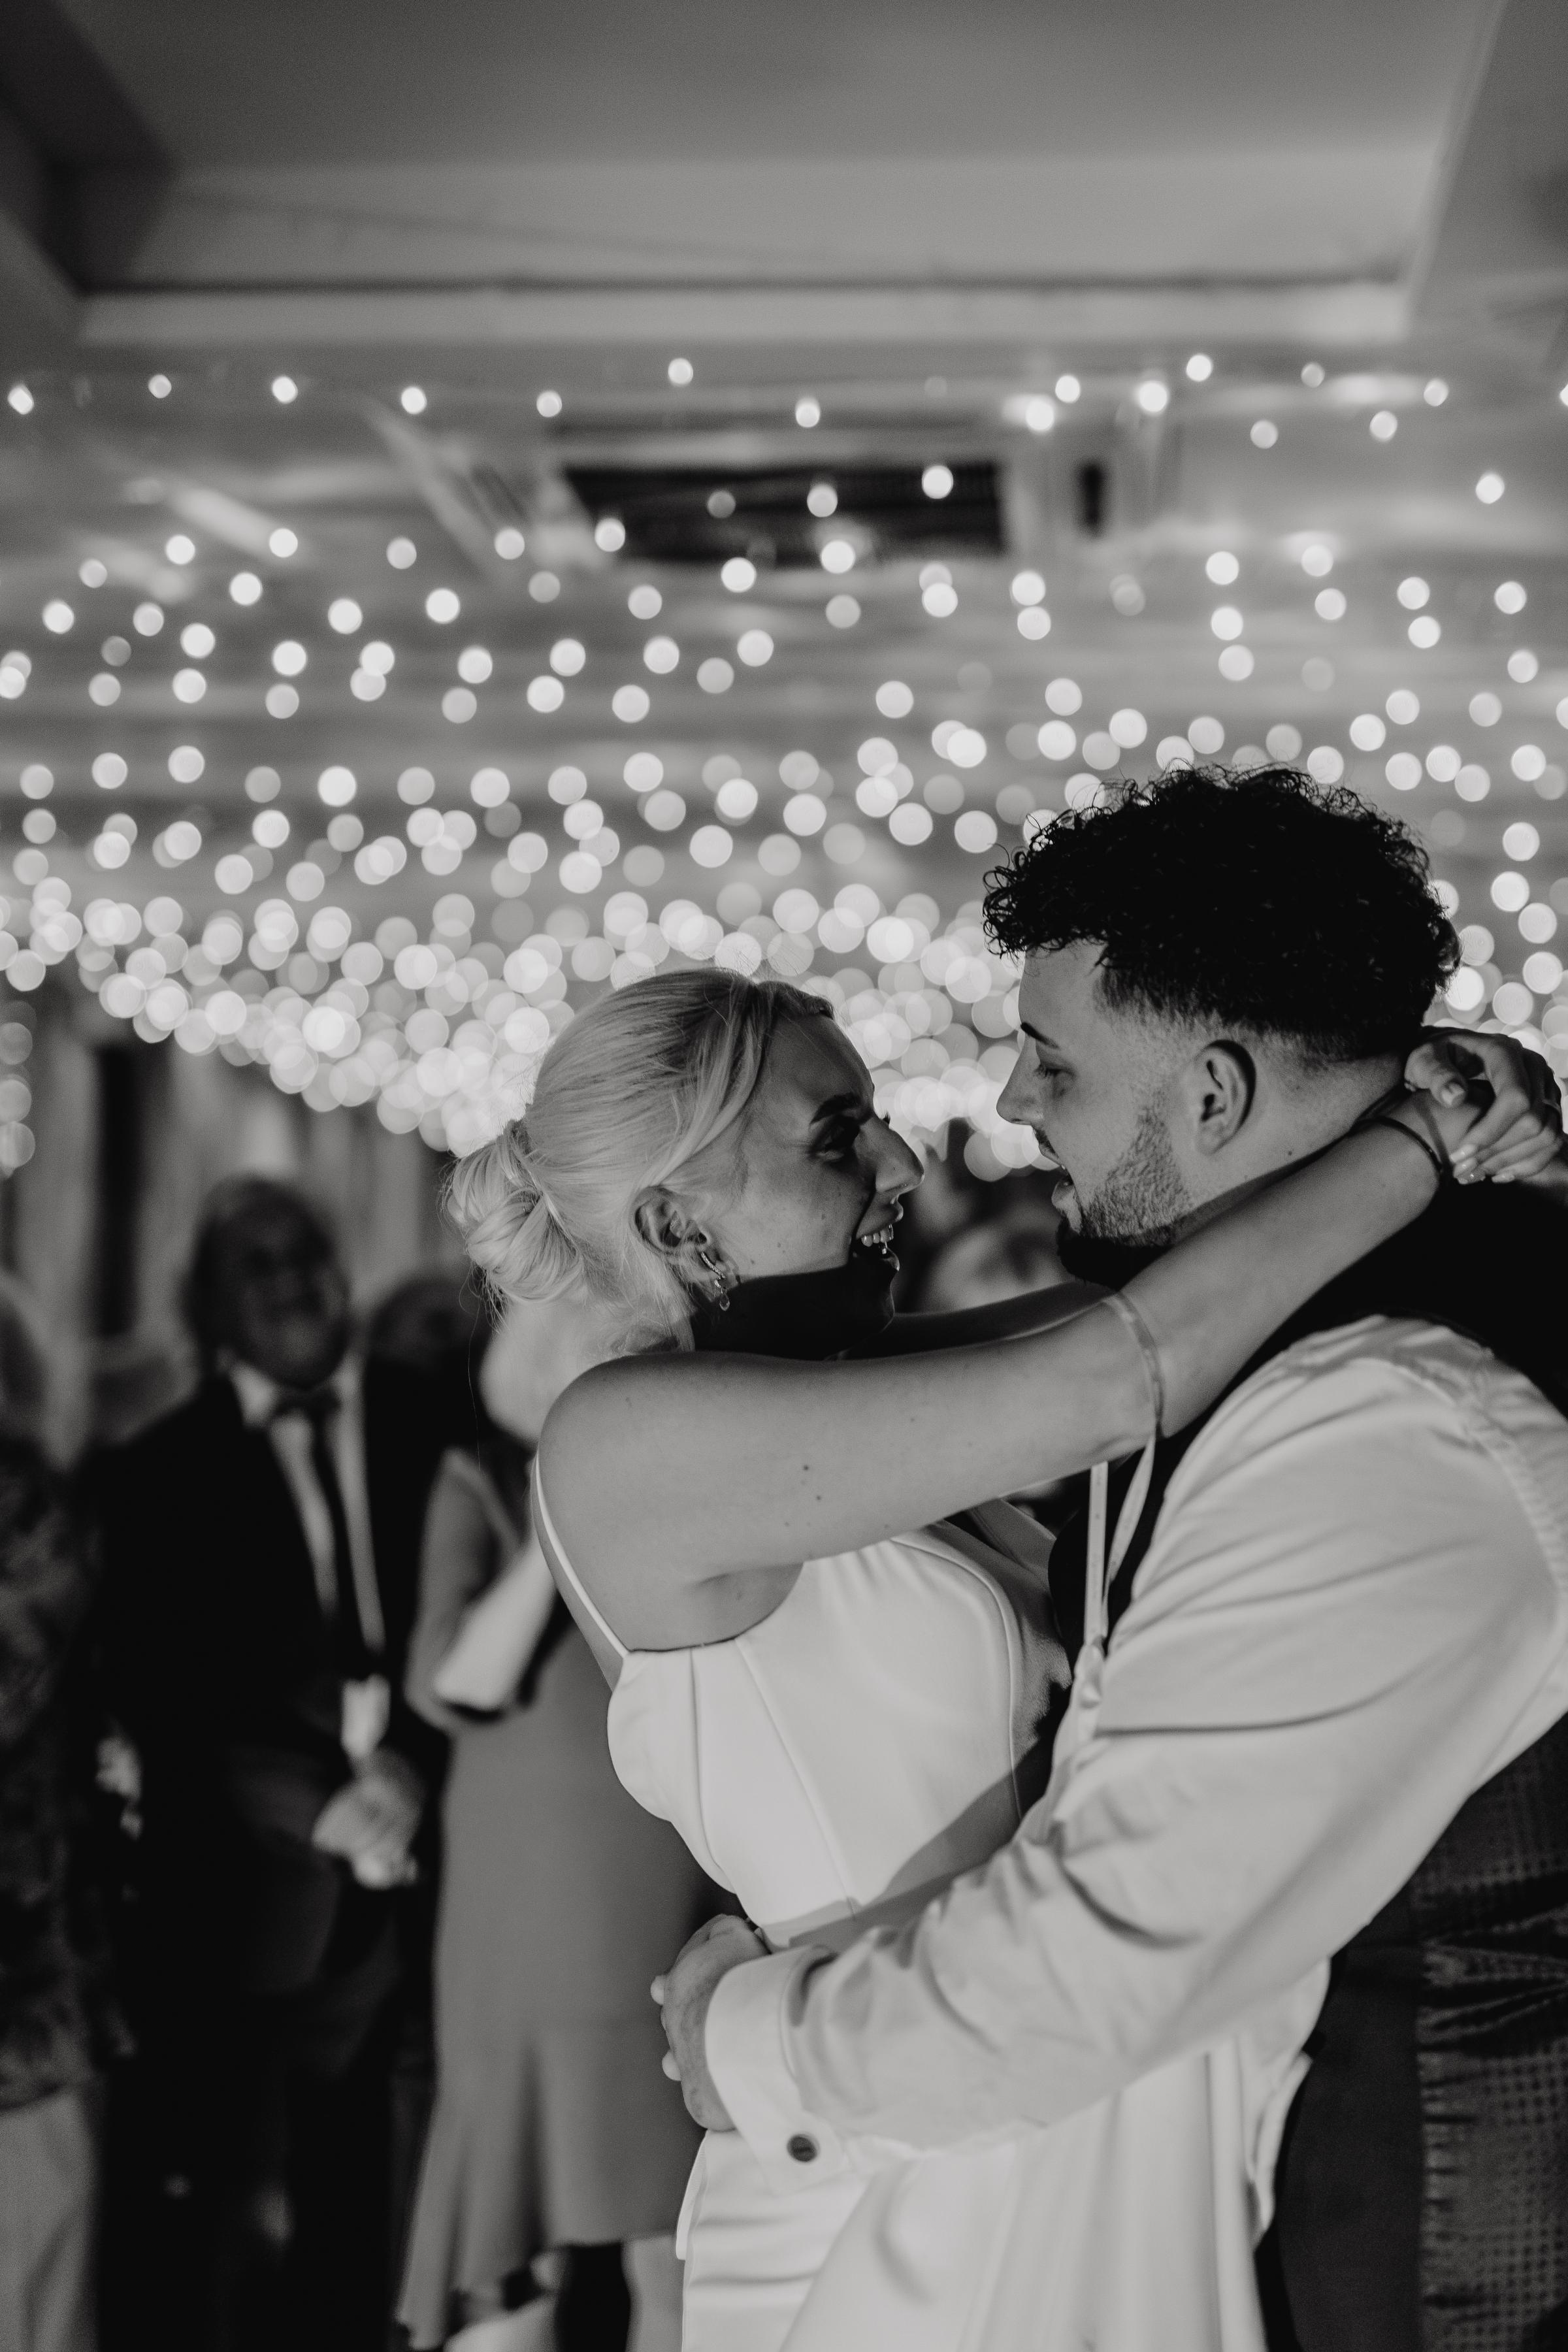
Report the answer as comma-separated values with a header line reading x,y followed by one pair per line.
x,y
263,2166
593,2306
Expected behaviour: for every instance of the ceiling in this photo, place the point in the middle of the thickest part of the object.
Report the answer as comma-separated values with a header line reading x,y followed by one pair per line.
x,y
494,174
263,82
914,221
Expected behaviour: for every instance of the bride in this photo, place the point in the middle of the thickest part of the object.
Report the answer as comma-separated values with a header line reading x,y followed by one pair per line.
x,y
837,1714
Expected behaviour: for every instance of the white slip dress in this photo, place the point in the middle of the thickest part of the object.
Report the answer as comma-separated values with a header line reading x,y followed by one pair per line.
x,y
835,1766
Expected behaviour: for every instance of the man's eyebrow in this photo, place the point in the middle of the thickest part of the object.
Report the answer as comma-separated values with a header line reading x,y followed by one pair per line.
x,y
1040,1037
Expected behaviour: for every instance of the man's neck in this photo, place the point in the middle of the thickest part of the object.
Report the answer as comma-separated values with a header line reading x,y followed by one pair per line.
x,y
1303,1124
262,1393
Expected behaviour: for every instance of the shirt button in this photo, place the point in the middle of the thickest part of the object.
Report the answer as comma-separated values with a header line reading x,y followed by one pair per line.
x,y
803,2149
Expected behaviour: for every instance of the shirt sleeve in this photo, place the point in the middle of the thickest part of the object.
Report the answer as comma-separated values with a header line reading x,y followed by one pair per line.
x,y
1347,1610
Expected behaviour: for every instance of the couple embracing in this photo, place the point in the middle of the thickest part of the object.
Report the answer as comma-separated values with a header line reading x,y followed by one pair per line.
x,y
1160,1936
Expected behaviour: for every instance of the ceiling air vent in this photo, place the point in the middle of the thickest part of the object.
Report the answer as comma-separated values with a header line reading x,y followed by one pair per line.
x,y
1091,498
705,516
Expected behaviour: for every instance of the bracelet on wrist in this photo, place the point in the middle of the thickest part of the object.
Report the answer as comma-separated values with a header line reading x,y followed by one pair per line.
x,y
1122,1308
1430,1144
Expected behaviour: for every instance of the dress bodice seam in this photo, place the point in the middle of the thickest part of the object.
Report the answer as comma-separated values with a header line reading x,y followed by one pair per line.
x,y
650,1715
931,1546
788,1747
1012,1643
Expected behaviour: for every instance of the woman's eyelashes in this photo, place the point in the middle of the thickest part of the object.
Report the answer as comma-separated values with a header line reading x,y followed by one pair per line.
x,y
839,1139
840,1134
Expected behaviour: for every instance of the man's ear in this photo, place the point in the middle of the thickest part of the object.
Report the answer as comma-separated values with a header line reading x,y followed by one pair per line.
x,y
1217,1089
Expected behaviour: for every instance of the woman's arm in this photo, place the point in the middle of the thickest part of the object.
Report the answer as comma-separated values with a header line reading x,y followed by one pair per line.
x,y
670,1475
1004,1318
1518,1138
498,1636
466,1533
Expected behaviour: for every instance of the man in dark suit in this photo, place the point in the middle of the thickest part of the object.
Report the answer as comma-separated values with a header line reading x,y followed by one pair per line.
x,y
262,1546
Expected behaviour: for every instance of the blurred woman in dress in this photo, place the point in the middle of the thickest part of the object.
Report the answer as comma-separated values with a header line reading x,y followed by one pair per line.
x,y
558,2153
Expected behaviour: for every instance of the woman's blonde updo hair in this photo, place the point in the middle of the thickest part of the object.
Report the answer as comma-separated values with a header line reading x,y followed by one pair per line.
x,y
627,1098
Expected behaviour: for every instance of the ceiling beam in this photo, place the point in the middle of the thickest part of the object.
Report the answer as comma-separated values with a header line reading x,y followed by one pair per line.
x,y
40,308
284,322
80,174
1499,255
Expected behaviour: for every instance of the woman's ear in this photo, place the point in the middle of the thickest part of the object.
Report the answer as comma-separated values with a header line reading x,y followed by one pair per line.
x,y
683,1241
1218,1085
662,1223
670,1228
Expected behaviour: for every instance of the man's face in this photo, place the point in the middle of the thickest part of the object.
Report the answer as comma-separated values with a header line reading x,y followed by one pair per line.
x,y
1094,1085
283,1301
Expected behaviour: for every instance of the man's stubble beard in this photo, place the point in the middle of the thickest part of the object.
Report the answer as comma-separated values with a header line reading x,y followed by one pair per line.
x,y
1144,1197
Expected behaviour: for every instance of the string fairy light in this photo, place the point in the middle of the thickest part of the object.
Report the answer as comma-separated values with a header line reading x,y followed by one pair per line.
x,y
407,940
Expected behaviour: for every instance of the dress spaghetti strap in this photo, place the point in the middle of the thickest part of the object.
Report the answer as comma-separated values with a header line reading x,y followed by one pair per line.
x,y
564,1569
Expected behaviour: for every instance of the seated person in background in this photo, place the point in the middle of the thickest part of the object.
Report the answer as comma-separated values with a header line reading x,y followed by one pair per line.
x,y
554,2131
261,1552
57,2022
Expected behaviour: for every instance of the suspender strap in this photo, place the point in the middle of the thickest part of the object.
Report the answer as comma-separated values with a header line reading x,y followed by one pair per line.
x,y
1100,1570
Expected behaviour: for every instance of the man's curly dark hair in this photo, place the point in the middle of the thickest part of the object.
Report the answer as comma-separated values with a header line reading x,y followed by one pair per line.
x,y
1262,902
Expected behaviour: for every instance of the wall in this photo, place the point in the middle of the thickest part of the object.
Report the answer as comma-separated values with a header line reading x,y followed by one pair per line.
x,y
132,1136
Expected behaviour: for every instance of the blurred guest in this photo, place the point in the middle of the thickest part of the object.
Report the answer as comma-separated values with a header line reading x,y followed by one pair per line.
x,y
1005,1258
261,1553
554,2129
953,1201
57,2024
434,1323
431,1322
1006,1253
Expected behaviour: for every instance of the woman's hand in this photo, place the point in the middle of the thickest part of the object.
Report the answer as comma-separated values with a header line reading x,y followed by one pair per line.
x,y
1520,1133
1433,1120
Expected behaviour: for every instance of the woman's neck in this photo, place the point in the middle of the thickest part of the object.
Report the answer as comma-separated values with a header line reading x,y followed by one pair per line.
x,y
836,1311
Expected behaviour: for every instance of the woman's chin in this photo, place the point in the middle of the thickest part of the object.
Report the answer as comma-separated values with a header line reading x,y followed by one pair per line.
x,y
874,1271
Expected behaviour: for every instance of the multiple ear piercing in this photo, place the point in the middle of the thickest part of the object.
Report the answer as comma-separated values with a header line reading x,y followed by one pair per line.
x,y
723,1280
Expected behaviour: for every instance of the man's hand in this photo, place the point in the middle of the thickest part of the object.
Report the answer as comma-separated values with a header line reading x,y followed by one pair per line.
x,y
1521,1132
371,1822
684,1996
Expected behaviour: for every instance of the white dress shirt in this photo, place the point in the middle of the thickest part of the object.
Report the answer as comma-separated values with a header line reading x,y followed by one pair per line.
x,y
290,1432
1354,1612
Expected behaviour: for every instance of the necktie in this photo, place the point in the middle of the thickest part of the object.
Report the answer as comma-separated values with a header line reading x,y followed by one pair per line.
x,y
351,1652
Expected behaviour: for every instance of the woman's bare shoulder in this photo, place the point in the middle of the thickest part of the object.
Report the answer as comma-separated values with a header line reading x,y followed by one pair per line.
x,y
622,1484
598,1435
619,1390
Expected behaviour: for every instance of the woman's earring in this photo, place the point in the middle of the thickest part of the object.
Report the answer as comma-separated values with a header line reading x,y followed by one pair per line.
x,y
723,1280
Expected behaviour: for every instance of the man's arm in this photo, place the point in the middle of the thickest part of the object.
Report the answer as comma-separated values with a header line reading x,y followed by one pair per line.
x,y
1344,1619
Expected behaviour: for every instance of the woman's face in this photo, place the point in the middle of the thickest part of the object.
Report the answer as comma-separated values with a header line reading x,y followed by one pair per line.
x,y
809,1172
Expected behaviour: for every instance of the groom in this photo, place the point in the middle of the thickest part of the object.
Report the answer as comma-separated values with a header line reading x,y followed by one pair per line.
x,y
1331,1755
